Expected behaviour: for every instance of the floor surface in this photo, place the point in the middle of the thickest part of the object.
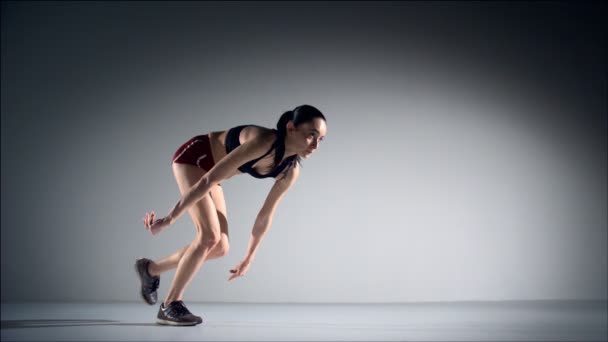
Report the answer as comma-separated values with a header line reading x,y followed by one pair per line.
x,y
456,321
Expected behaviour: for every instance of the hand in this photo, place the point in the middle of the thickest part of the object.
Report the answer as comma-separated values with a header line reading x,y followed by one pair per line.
x,y
240,269
157,226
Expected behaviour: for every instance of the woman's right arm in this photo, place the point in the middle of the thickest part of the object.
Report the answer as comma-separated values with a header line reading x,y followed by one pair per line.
x,y
249,150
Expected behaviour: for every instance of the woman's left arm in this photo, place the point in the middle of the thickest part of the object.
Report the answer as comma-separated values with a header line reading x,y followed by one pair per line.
x,y
264,219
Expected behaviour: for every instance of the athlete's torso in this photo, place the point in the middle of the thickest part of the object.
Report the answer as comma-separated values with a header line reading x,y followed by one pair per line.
x,y
261,168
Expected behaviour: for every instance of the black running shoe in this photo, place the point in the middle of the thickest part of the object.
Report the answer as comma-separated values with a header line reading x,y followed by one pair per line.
x,y
149,284
176,313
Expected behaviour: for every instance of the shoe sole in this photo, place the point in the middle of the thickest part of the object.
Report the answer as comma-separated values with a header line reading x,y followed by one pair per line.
x,y
175,324
139,275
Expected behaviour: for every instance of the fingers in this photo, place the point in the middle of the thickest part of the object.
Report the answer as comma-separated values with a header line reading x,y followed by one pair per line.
x,y
235,274
149,220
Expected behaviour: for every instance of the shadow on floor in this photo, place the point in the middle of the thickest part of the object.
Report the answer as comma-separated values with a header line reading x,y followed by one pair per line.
x,y
50,323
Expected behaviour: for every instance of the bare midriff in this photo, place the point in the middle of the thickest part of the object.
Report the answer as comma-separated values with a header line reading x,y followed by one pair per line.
x,y
217,140
218,145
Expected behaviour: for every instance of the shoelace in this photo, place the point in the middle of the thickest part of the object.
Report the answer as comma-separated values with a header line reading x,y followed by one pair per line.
x,y
154,285
179,309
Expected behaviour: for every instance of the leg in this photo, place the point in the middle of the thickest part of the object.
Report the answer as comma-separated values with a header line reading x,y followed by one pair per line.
x,y
220,250
155,268
208,235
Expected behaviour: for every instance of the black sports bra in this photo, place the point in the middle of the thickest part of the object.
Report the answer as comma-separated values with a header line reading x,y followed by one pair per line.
x,y
232,142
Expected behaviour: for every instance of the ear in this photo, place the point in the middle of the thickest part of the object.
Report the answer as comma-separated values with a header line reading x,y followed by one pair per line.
x,y
290,126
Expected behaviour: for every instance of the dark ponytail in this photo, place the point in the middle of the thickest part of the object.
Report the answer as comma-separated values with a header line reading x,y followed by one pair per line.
x,y
282,124
300,115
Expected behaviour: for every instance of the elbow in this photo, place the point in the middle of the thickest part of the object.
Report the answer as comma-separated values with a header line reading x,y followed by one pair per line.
x,y
210,179
259,232
262,225
204,185
264,218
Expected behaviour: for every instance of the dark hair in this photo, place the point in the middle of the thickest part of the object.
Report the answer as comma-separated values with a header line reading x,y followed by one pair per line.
x,y
301,114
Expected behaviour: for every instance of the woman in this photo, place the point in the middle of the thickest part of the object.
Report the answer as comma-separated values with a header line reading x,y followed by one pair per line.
x,y
199,166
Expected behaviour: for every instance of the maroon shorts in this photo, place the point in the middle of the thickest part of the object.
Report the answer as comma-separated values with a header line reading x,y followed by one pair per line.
x,y
197,152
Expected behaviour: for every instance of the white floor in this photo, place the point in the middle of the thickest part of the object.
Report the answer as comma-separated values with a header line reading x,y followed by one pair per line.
x,y
472,321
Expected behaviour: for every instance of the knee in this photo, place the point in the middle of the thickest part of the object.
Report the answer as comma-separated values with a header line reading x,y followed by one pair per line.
x,y
207,241
222,248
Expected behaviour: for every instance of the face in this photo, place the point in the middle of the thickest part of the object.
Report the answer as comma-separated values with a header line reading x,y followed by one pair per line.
x,y
307,136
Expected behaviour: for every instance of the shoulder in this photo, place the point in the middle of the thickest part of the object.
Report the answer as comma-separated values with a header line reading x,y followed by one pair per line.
x,y
293,172
290,175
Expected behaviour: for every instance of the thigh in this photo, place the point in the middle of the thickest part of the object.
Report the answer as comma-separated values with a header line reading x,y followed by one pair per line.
x,y
217,194
203,212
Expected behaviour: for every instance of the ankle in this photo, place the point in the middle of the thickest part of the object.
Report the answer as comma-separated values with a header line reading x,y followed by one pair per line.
x,y
152,269
172,297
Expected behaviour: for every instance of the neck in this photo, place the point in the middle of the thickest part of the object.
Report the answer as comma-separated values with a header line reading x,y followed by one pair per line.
x,y
290,149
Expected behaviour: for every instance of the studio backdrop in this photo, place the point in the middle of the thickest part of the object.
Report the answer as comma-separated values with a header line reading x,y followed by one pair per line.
x,y
465,156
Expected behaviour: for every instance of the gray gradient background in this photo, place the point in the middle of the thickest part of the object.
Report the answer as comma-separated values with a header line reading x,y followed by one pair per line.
x,y
465,157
